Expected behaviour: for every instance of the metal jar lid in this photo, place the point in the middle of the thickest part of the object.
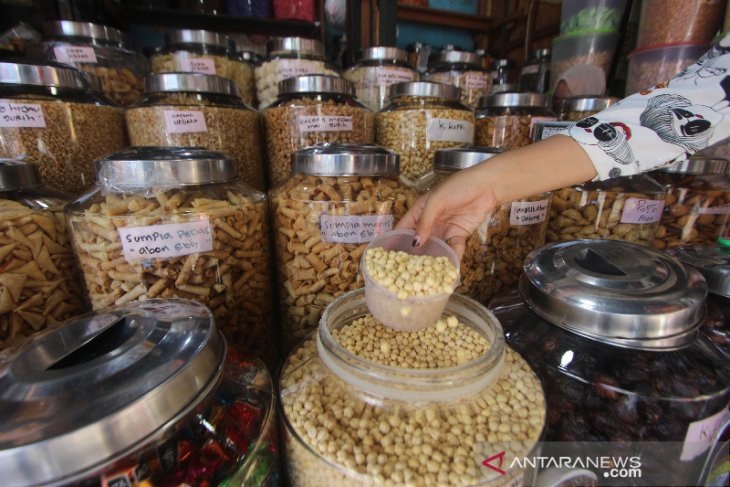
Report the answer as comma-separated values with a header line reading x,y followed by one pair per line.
x,y
615,292
699,165
198,36
451,56
588,103
151,167
41,74
300,45
16,174
90,392
346,160
511,99
189,82
316,83
96,32
458,158
425,89
383,52
713,264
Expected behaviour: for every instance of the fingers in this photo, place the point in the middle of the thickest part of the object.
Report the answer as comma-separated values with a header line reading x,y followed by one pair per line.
x,y
433,206
411,217
458,243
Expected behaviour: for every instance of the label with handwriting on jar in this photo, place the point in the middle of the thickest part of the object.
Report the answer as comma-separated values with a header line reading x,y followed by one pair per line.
x,y
354,228
198,65
447,130
528,212
702,434
390,76
476,81
637,210
74,54
289,69
185,121
166,241
324,123
21,115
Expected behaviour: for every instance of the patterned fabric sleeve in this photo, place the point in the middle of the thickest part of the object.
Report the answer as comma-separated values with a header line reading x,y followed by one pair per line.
x,y
663,124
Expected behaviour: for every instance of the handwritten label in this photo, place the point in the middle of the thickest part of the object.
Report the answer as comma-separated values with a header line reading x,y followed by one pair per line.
x,y
528,212
289,68
185,121
73,54
447,130
637,210
165,241
21,115
477,81
197,65
715,210
530,69
390,76
354,228
702,434
320,123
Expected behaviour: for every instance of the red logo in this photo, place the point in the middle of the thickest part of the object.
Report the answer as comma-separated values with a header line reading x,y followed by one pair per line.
x,y
487,463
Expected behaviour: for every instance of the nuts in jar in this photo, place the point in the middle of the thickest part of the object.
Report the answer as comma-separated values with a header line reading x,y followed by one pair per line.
x,y
463,70
506,120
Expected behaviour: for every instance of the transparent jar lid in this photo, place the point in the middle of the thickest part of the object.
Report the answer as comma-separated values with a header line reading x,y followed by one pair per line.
x,y
346,160
316,83
189,82
712,262
383,52
41,74
454,56
458,158
301,45
510,99
198,36
425,89
16,174
699,166
588,103
96,32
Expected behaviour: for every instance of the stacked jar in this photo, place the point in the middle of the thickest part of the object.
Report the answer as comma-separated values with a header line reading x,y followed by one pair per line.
x,y
49,117
376,69
287,57
507,120
463,70
339,198
199,110
535,74
174,222
422,118
502,72
312,110
577,108
247,79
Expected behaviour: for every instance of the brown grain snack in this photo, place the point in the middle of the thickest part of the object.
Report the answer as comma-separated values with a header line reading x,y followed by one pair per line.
x,y
121,85
677,21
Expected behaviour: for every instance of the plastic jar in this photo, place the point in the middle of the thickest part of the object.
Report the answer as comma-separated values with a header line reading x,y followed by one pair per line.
x,y
50,118
463,70
625,208
339,198
199,110
422,118
678,21
655,65
375,71
579,107
287,57
312,110
581,16
535,74
444,415
142,394
594,49
507,120
696,210
294,10
611,329
173,222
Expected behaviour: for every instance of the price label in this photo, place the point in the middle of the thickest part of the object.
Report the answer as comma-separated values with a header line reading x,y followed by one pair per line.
x,y
73,54
185,121
289,69
166,241
701,435
528,212
197,65
320,123
21,115
390,76
637,210
477,81
447,130
354,228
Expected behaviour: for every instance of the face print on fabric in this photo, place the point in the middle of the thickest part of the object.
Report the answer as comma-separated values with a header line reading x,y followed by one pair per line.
x,y
612,138
696,76
676,121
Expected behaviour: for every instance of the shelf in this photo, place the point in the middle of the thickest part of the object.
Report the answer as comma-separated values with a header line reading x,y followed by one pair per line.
x,y
444,18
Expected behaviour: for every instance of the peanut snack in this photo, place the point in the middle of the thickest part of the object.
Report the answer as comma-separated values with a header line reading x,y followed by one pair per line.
x,y
121,85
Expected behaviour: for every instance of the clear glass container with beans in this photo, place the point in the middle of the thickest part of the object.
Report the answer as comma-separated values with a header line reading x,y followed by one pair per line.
x,y
625,208
375,71
463,70
174,222
611,330
368,405
49,117
310,110
38,282
423,117
339,198
696,210
579,107
288,57
507,120
199,110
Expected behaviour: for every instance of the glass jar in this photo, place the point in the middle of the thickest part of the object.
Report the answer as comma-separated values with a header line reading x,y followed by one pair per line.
x,y
312,110
418,54
378,422
579,107
287,57
260,9
625,208
503,75
173,222
38,285
507,120
199,110
246,84
49,118
535,74
339,198
461,69
145,394
423,117
696,210
611,330
375,71
294,10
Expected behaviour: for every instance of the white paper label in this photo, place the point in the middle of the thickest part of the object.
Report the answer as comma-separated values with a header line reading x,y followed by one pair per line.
x,y
23,115
165,241
531,69
390,76
185,121
73,54
528,212
702,434
637,210
551,129
354,228
324,123
715,210
197,65
476,82
289,68
447,130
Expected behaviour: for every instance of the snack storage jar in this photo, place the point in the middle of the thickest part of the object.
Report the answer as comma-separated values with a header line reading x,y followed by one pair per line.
x,y
287,57
199,110
577,108
625,208
339,198
311,110
168,222
423,117
38,284
658,64
145,394
535,74
506,120
418,54
502,72
50,118
611,330
678,21
463,70
580,16
593,49
359,410
375,71
696,210
246,81
294,10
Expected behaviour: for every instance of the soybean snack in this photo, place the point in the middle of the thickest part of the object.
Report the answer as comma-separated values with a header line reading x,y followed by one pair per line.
x,y
410,275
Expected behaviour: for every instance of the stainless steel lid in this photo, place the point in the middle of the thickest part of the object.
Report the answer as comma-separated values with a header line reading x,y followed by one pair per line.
x,y
189,82
383,52
452,56
458,158
83,395
346,160
16,174
712,262
615,292
301,45
699,165
37,74
588,103
316,83
197,36
425,89
152,167
510,99
96,32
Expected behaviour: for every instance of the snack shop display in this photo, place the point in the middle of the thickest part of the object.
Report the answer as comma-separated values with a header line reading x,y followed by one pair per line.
x,y
463,70
579,107
507,120
110,413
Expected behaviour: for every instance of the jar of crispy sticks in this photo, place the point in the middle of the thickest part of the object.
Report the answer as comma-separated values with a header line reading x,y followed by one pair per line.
x,y
174,222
